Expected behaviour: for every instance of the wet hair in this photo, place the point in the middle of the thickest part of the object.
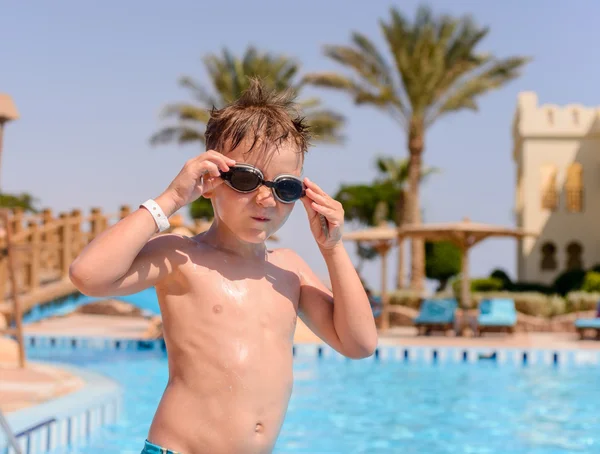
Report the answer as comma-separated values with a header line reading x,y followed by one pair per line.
x,y
263,116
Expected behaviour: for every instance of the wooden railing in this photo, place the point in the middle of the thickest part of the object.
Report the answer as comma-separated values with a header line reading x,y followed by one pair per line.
x,y
44,246
35,254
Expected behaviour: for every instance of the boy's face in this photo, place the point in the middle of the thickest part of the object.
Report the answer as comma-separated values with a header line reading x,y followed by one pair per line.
x,y
255,216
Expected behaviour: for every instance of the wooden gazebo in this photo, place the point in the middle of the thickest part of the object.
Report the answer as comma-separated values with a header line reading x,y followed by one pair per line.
x,y
465,235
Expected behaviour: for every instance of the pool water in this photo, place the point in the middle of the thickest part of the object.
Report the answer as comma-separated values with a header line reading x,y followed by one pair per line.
x,y
384,407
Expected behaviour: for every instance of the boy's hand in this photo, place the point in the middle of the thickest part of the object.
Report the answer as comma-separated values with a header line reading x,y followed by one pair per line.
x,y
198,175
317,203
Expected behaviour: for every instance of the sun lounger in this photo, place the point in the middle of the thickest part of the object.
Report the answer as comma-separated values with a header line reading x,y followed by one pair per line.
x,y
588,324
376,305
496,314
436,314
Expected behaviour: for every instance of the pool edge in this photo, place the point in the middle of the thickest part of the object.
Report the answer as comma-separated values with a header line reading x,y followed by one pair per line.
x,y
66,420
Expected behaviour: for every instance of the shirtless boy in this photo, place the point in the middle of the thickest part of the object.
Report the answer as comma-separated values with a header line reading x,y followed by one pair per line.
x,y
229,305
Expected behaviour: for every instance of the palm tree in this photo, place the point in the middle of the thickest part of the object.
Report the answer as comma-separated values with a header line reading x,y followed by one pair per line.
x,y
434,70
229,76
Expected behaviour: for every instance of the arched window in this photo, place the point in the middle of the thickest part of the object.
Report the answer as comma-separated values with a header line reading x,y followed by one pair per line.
x,y
549,187
574,256
574,188
548,256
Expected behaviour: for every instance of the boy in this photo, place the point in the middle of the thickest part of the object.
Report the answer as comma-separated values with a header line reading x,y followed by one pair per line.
x,y
229,305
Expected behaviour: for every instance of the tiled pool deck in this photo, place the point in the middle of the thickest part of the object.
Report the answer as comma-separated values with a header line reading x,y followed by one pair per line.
x,y
62,420
65,420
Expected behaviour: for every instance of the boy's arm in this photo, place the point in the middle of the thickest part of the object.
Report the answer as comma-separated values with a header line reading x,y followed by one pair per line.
x,y
123,259
344,318
348,324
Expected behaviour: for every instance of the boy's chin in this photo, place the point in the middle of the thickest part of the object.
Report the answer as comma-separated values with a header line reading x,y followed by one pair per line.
x,y
255,237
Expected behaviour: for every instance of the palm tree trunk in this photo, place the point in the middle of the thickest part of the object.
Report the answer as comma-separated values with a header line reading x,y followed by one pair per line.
x,y
401,267
1,140
400,207
415,164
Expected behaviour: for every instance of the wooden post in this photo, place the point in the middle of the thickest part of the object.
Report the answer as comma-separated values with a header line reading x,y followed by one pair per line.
x,y
18,316
66,242
17,220
3,261
95,223
35,254
76,232
125,211
49,239
383,248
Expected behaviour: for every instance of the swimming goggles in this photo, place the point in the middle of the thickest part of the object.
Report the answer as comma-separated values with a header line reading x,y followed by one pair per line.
x,y
245,178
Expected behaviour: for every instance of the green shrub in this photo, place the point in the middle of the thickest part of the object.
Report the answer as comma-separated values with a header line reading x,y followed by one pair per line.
x,y
582,301
569,281
595,268
503,276
484,284
408,298
528,287
591,283
487,284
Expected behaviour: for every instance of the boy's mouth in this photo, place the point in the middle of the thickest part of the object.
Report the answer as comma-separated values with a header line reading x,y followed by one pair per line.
x,y
260,219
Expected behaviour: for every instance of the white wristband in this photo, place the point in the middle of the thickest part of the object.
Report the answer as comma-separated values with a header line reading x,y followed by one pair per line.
x,y
162,222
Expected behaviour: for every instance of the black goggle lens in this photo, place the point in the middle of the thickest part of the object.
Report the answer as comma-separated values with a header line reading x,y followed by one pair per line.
x,y
288,189
244,179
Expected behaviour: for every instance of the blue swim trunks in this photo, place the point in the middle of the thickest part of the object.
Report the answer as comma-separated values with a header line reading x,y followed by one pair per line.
x,y
151,448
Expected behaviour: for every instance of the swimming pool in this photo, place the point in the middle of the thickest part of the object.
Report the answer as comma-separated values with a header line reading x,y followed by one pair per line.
x,y
386,406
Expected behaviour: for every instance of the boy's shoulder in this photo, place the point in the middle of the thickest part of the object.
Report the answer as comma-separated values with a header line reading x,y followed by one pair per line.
x,y
289,259
168,240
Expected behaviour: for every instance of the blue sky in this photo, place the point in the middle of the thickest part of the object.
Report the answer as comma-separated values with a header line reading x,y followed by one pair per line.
x,y
90,79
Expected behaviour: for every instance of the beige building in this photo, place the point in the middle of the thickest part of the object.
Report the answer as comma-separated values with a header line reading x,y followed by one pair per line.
x,y
557,154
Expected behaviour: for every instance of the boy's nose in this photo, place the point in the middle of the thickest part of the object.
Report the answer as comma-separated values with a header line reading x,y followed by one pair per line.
x,y
265,197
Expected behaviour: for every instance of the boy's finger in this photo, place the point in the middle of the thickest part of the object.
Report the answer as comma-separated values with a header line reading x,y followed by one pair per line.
x,y
309,209
324,210
319,198
314,186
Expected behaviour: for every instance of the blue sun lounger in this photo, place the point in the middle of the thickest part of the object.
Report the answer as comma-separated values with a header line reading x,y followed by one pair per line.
x,y
496,314
436,314
585,324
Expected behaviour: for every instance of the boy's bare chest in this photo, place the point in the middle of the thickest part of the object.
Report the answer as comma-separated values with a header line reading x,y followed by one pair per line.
x,y
238,289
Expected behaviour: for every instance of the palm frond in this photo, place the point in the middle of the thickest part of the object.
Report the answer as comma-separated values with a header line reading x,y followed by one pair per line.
x,y
464,95
199,92
185,112
177,134
330,80
325,125
370,52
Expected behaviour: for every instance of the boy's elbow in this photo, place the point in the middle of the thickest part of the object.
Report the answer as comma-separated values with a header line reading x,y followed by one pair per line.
x,y
363,350
82,281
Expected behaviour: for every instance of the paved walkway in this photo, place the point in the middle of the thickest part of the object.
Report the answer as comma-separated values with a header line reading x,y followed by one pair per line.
x,y
37,383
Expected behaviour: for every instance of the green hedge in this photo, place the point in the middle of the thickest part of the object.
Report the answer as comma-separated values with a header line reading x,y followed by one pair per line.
x,y
591,283
406,298
529,303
